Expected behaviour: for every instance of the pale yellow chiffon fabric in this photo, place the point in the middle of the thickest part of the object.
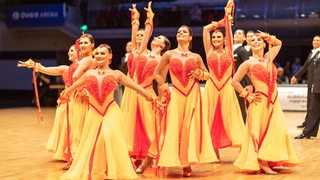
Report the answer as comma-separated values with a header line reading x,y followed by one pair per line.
x,y
111,159
186,140
276,147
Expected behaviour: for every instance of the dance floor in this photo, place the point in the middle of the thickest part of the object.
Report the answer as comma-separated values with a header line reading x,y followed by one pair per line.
x,y
23,156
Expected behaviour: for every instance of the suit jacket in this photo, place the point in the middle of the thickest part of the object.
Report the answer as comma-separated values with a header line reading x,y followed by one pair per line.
x,y
240,55
123,65
316,73
308,66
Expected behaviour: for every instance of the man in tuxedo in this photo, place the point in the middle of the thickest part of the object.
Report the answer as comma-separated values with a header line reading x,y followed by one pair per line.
x,y
308,67
249,36
241,55
313,115
123,68
123,64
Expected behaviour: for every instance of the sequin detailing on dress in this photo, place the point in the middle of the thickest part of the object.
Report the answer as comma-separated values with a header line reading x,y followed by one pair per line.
x,y
181,71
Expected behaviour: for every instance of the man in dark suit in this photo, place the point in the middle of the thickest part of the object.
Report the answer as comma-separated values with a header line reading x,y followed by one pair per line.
x,y
309,68
249,36
123,68
123,64
241,55
313,115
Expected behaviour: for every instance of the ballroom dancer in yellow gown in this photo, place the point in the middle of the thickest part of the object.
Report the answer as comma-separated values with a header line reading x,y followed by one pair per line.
x,y
58,134
185,138
102,151
267,143
221,106
142,124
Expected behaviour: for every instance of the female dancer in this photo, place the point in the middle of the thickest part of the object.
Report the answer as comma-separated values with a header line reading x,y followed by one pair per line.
x,y
79,100
142,125
77,104
58,133
129,99
186,138
267,143
102,151
221,106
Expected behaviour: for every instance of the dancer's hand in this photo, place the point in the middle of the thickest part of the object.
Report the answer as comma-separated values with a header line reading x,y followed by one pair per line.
x,y
134,10
195,74
254,98
29,63
150,13
263,35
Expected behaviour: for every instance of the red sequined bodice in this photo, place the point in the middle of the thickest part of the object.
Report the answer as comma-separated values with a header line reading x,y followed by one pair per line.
x,y
101,90
131,65
181,69
67,75
262,74
145,68
219,65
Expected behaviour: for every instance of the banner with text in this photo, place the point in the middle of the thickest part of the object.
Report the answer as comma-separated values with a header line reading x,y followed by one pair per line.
x,y
36,15
293,98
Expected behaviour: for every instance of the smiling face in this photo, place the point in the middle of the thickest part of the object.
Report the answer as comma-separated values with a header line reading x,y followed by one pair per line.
x,y
316,42
139,36
86,46
257,43
184,35
103,55
217,39
72,53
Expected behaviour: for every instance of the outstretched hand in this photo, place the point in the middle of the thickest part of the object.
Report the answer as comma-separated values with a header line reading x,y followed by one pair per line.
x,y
134,8
29,63
148,9
293,80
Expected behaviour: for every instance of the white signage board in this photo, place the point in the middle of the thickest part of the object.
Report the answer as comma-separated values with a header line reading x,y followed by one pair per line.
x,y
293,97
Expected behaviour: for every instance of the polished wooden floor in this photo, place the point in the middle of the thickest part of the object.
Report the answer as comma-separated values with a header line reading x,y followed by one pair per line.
x,y
22,153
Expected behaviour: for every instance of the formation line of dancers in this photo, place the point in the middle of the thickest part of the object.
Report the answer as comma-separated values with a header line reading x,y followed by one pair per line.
x,y
177,125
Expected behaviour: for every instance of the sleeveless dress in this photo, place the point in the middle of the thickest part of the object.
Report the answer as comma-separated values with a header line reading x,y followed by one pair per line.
x,y
102,150
143,125
186,137
62,149
221,106
57,131
266,136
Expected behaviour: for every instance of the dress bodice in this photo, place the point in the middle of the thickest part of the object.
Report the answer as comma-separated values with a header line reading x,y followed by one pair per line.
x,y
67,75
145,66
263,79
131,65
220,65
179,72
101,90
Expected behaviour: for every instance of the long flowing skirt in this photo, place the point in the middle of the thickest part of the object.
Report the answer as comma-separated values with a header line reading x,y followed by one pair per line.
x,y
56,131
273,144
222,111
186,139
102,150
